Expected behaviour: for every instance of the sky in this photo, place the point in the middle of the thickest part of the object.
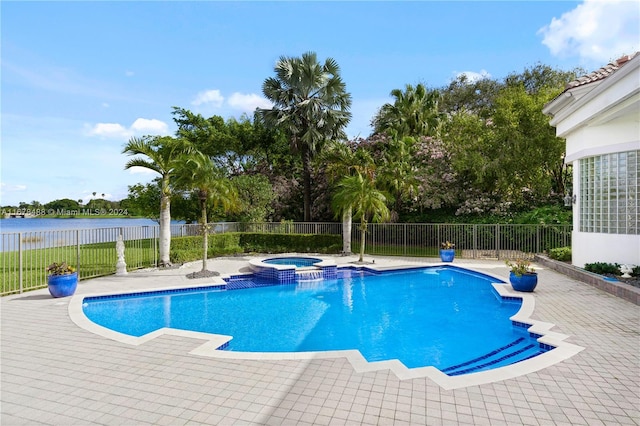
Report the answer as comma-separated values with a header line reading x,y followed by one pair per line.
x,y
79,79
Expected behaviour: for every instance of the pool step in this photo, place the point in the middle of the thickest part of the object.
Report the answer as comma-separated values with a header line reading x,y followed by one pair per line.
x,y
242,283
516,351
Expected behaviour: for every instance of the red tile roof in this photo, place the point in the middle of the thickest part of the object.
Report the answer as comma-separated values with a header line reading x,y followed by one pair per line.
x,y
602,73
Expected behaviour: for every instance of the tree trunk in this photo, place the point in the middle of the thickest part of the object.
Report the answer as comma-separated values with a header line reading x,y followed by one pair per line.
x,y
346,230
306,179
165,229
205,233
363,237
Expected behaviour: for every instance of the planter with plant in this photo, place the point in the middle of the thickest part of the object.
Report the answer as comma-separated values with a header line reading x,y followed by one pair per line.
x,y
447,251
523,276
62,280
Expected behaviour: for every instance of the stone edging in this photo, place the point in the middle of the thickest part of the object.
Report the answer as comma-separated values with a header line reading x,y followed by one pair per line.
x,y
617,288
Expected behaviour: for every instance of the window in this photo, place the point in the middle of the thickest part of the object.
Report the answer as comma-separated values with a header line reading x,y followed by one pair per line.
x,y
609,186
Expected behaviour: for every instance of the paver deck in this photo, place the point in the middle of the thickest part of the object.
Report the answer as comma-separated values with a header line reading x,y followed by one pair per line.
x,y
56,373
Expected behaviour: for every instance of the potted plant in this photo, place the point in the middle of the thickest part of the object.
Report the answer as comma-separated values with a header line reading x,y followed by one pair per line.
x,y
523,276
447,251
62,280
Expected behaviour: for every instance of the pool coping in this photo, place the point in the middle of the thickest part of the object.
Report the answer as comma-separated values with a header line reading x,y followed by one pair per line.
x,y
562,349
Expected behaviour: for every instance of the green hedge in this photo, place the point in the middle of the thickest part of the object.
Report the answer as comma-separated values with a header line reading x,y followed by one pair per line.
x,y
187,249
563,254
284,243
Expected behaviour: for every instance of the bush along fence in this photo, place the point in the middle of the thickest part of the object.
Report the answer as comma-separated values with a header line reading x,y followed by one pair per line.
x,y
24,256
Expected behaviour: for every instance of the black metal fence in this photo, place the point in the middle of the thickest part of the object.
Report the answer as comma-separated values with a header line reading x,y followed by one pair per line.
x,y
25,255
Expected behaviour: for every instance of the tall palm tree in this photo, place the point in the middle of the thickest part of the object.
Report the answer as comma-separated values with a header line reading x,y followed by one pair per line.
x,y
162,154
311,104
414,112
367,201
197,172
340,160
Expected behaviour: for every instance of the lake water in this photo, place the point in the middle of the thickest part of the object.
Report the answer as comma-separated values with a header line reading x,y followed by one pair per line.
x,y
36,233
46,224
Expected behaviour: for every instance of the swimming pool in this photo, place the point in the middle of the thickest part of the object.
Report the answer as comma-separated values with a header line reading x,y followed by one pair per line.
x,y
426,316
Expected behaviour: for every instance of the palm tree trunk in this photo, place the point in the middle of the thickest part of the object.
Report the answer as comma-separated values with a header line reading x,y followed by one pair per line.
x,y
346,230
306,179
363,236
205,233
165,230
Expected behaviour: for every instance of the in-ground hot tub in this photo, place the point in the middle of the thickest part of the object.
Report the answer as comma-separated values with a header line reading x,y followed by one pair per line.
x,y
297,261
290,269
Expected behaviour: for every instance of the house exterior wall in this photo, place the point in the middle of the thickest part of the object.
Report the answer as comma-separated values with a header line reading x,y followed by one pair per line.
x,y
590,247
598,119
615,136
611,248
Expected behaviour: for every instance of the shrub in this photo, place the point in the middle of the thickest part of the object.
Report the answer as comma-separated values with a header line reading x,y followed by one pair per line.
x,y
188,249
603,268
563,254
282,243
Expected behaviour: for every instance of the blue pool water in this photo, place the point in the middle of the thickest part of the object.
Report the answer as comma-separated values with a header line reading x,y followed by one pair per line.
x,y
446,317
298,262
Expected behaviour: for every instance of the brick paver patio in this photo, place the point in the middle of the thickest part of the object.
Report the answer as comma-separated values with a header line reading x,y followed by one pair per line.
x,y
56,373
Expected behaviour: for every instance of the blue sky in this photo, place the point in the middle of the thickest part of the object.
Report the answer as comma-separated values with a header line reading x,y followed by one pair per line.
x,y
80,78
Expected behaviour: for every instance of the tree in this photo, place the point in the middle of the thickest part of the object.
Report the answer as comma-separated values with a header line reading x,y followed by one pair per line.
x,y
210,136
398,172
532,155
143,200
255,195
163,153
504,154
414,112
64,204
310,104
197,172
470,96
359,192
340,160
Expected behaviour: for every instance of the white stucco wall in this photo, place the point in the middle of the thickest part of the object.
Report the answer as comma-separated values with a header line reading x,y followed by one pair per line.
x,y
611,248
615,136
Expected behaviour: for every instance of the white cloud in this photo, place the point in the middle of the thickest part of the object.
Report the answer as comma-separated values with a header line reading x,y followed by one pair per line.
x,y
473,76
129,73
149,127
213,97
596,31
5,187
141,171
140,127
249,102
109,130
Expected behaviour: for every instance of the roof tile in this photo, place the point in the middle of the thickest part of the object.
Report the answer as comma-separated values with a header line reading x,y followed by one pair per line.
x,y
601,73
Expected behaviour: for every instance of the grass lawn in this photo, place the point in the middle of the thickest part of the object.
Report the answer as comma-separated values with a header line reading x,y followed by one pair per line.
x,y
94,260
